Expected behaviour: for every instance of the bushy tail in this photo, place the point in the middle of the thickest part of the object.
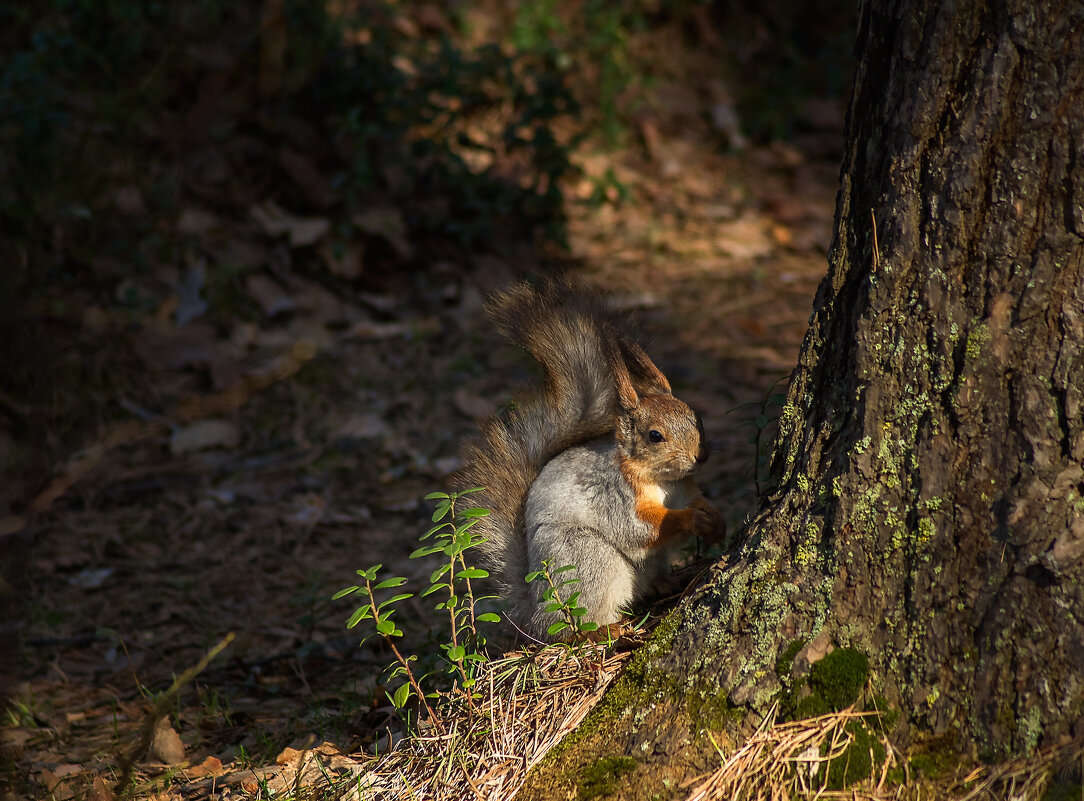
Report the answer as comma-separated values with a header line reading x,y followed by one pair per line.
x,y
569,333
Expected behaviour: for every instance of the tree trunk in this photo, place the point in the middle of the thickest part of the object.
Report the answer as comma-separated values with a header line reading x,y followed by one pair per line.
x,y
927,506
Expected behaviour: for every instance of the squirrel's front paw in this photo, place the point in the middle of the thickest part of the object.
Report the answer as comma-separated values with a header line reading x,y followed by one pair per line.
x,y
709,524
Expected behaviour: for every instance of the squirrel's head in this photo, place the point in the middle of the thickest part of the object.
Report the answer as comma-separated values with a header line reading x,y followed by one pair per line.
x,y
661,437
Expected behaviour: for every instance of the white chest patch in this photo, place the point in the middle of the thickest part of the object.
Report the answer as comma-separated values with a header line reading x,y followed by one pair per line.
x,y
653,493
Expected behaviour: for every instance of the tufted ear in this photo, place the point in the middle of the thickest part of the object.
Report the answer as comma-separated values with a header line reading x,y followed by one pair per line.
x,y
642,372
627,397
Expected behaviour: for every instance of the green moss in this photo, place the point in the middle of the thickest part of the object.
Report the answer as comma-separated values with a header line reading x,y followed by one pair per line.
x,y
839,677
934,758
710,709
785,662
633,689
858,761
810,706
889,715
602,776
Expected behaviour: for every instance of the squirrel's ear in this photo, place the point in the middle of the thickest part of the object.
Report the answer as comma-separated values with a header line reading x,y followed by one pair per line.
x,y
641,370
627,398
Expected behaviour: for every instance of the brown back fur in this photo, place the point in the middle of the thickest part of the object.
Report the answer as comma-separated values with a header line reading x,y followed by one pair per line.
x,y
573,337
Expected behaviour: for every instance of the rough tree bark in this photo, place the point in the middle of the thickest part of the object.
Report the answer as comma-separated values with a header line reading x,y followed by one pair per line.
x,y
927,507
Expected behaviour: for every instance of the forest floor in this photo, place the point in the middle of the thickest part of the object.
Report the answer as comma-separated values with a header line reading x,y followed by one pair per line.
x,y
232,471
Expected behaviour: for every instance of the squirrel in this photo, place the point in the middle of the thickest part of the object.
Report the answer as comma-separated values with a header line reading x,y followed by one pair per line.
x,y
592,470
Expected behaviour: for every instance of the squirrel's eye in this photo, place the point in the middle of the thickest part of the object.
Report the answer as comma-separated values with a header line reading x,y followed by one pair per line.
x,y
655,436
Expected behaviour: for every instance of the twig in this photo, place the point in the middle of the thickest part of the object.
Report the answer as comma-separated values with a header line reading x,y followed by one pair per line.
x,y
876,247
159,709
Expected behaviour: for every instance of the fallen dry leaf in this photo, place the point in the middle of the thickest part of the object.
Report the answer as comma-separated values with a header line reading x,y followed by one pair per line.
x,y
203,435
99,791
744,238
271,297
54,779
300,231
367,329
166,745
288,756
344,259
387,222
211,766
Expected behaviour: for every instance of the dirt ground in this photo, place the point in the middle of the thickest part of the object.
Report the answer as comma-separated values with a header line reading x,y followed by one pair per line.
x,y
201,510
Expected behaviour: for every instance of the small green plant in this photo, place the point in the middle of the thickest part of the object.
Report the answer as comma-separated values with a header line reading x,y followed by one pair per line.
x,y
453,538
464,649
381,612
571,613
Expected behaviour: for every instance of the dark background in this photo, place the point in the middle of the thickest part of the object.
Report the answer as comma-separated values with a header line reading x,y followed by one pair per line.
x,y
244,251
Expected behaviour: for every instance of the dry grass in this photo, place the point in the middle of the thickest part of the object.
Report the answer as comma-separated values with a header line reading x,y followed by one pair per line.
x,y
531,701
782,760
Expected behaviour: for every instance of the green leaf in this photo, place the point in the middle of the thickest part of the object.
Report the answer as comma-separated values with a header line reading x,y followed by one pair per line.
x,y
370,572
425,550
386,627
345,592
395,581
360,614
489,617
456,653
471,573
563,569
438,574
441,511
397,598
461,493
402,695
432,496
477,539
760,420
554,606
557,627
585,627
435,529
537,574
468,525
434,588
475,512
